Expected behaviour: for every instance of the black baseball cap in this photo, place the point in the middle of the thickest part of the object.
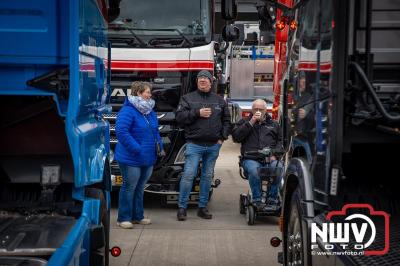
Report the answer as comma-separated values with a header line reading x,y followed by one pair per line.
x,y
205,73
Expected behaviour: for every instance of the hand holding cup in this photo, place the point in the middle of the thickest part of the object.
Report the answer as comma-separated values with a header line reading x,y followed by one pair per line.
x,y
205,112
256,117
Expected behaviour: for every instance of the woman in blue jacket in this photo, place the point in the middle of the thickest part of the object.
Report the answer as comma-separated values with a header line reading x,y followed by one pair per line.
x,y
136,152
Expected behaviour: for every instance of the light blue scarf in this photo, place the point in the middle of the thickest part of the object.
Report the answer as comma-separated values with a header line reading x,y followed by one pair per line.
x,y
145,107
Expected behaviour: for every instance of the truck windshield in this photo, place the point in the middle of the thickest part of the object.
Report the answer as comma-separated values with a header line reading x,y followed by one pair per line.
x,y
186,19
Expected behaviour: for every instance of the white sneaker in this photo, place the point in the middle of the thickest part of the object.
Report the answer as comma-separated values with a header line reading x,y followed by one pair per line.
x,y
144,221
125,225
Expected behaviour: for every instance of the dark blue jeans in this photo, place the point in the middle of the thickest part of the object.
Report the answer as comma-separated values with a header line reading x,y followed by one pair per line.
x,y
193,154
130,205
250,167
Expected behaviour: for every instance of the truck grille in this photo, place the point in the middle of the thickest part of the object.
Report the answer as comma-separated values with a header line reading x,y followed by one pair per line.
x,y
110,116
113,140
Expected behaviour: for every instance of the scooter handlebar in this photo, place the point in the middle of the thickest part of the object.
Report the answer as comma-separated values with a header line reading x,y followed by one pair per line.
x,y
266,152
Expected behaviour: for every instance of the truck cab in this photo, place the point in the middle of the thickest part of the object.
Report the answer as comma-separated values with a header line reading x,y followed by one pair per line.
x,y
337,92
165,43
54,170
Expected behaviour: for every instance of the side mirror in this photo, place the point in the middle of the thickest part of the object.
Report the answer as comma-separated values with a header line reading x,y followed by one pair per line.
x,y
113,13
230,33
220,47
113,10
228,9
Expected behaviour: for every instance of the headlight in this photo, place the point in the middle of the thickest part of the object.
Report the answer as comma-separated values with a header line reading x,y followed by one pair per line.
x,y
180,157
50,175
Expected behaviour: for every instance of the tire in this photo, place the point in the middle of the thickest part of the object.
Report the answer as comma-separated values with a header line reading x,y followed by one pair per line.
x,y
248,199
106,223
245,203
251,215
242,208
101,256
294,237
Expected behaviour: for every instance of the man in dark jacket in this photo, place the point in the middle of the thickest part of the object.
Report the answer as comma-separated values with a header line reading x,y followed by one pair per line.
x,y
206,119
304,113
255,133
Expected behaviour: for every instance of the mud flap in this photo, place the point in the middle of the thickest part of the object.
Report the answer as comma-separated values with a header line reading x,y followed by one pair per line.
x,y
97,244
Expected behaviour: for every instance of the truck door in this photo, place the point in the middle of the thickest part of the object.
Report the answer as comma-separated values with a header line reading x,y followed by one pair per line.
x,y
88,133
310,70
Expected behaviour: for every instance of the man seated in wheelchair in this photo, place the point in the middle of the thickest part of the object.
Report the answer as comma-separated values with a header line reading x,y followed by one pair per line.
x,y
256,132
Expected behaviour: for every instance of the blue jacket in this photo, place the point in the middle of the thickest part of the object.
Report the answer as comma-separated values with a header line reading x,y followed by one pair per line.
x,y
136,146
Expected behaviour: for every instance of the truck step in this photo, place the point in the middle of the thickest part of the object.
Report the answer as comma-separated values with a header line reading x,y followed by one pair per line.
x,y
25,235
110,116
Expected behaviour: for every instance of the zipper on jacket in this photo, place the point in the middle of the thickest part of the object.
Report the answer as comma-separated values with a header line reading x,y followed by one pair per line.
x,y
259,133
204,99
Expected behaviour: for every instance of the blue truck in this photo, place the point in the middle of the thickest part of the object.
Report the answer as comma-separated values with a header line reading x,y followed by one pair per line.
x,y
54,143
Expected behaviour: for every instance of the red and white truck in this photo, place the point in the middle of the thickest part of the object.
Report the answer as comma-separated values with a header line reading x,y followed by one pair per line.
x,y
165,43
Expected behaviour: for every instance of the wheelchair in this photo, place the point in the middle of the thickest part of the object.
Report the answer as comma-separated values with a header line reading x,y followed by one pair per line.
x,y
267,175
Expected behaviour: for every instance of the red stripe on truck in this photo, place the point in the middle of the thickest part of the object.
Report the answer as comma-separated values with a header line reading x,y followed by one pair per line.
x,y
311,66
182,65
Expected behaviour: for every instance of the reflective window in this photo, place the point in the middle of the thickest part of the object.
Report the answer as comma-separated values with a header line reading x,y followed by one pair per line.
x,y
162,17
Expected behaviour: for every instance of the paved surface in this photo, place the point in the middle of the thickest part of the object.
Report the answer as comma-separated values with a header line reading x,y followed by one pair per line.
x,y
224,240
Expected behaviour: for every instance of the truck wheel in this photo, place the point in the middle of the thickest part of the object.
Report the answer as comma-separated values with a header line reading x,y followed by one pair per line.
x,y
101,255
106,223
294,237
251,215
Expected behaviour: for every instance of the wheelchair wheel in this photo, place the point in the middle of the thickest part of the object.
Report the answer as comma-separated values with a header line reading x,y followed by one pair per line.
x,y
242,207
251,215
210,194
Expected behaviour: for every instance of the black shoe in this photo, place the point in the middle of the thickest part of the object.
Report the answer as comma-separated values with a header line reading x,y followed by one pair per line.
x,y
273,205
203,213
273,202
181,214
258,205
